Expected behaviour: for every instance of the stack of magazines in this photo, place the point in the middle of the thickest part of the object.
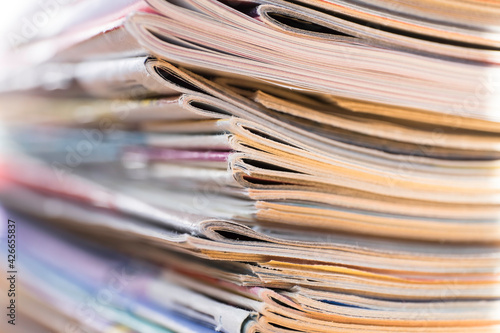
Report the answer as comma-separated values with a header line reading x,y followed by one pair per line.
x,y
254,166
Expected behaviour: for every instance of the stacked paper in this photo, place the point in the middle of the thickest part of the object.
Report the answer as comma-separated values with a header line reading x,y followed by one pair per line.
x,y
256,166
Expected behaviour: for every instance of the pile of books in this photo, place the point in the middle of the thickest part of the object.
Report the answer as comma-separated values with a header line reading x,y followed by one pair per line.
x,y
256,166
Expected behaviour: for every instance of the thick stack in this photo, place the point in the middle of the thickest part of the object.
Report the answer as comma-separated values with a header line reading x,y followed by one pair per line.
x,y
258,166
